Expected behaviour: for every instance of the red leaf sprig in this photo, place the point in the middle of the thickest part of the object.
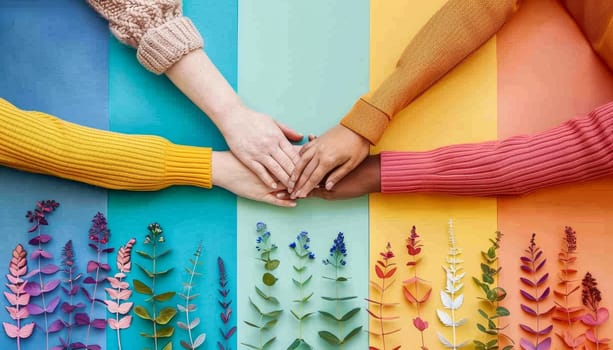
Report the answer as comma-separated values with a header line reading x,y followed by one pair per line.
x,y
412,286
99,235
17,297
532,264
38,217
71,289
565,311
120,291
597,315
384,269
226,331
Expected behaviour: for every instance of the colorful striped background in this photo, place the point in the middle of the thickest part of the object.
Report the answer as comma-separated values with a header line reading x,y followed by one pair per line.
x,y
305,63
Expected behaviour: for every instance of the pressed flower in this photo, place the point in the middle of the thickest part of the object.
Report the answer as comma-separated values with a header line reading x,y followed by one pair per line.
x,y
301,248
597,315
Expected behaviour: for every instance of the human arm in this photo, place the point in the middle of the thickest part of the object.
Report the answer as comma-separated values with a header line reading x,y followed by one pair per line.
x,y
454,32
580,149
40,143
167,42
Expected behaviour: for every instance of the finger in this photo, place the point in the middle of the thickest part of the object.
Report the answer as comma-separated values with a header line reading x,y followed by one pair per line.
x,y
261,172
281,158
312,137
291,152
299,168
271,198
306,147
338,174
312,181
291,134
276,170
305,177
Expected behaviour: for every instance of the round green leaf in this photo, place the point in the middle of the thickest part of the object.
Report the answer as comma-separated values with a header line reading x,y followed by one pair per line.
x,y
165,315
142,288
269,279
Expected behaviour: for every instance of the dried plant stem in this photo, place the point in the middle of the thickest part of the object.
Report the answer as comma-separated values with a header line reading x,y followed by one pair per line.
x,y
95,290
42,295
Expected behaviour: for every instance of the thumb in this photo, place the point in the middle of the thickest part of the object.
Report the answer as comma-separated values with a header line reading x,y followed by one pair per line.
x,y
291,135
338,174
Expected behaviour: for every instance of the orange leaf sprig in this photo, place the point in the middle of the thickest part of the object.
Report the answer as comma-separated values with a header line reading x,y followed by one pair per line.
x,y
566,312
532,264
597,315
17,297
120,291
385,270
412,285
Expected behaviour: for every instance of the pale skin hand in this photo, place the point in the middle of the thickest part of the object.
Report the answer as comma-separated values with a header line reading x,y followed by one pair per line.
x,y
338,150
364,179
262,144
231,174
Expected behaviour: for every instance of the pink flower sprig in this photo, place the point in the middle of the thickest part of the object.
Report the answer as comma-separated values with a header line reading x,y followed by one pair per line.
x,y
532,264
597,315
412,286
384,269
99,235
565,311
42,287
226,331
120,291
17,297
69,308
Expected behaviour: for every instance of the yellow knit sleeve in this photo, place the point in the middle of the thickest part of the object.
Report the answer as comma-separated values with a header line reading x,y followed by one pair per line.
x,y
41,143
454,32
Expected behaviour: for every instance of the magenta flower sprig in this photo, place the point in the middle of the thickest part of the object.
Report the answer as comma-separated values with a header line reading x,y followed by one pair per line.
x,y
120,291
565,311
193,341
17,297
384,269
99,235
532,264
416,290
71,289
597,315
227,331
42,287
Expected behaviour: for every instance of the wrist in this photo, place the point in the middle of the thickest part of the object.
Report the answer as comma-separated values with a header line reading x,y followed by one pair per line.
x,y
373,173
219,165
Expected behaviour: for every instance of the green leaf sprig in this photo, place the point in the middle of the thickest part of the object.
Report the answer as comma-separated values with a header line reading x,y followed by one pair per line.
x,y
159,318
301,248
492,296
451,297
338,252
193,341
266,319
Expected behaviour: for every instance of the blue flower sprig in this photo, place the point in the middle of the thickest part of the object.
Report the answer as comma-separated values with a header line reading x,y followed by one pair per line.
x,y
266,319
338,253
301,248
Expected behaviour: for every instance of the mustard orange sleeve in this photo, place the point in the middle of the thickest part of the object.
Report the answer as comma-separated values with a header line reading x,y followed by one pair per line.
x,y
454,32
595,18
41,143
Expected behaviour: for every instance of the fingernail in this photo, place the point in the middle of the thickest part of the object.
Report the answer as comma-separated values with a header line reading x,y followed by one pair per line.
x,y
293,204
329,185
274,185
280,195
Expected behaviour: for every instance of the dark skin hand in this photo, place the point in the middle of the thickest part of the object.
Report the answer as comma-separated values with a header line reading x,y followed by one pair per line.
x,y
364,179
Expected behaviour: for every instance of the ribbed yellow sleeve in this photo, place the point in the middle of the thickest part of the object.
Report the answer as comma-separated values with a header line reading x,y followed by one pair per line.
x,y
40,143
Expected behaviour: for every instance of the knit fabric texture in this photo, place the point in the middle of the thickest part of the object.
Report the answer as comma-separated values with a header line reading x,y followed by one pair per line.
x,y
580,149
156,28
40,143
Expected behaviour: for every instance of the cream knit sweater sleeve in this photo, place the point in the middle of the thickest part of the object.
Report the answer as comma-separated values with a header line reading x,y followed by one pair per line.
x,y
157,28
40,143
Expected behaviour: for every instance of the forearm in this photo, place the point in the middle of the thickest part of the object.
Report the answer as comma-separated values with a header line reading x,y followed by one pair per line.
x,y
454,32
40,143
578,150
198,78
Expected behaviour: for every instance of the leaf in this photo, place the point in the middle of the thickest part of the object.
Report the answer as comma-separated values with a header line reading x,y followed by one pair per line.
x,y
339,299
271,264
123,322
13,332
329,315
266,297
165,332
142,312
141,288
165,315
270,341
164,296
350,314
444,318
167,346
49,269
144,254
502,311
270,324
199,340
250,324
351,334
329,337
527,295
269,279
379,272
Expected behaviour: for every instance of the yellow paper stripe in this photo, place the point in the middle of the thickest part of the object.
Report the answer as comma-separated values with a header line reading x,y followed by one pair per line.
x,y
460,108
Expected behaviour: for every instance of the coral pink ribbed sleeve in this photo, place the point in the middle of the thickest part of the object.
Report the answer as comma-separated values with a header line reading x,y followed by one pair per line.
x,y
578,150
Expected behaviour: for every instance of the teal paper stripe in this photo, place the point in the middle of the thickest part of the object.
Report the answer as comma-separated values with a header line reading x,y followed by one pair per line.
x,y
304,63
141,102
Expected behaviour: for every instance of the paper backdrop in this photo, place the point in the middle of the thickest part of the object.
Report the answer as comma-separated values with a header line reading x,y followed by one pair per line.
x,y
305,63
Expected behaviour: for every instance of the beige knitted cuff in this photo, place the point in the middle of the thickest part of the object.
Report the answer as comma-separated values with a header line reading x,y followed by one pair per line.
x,y
163,46
366,120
